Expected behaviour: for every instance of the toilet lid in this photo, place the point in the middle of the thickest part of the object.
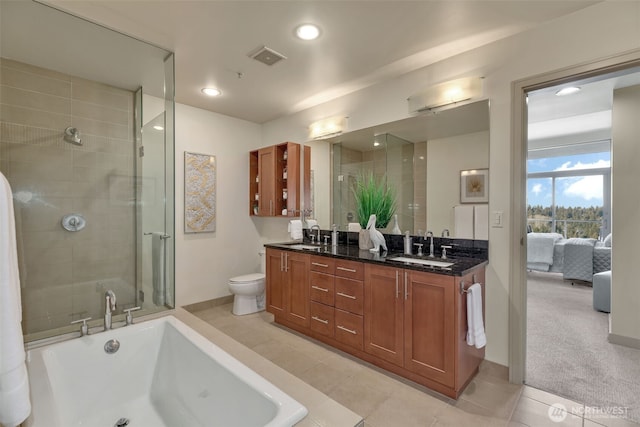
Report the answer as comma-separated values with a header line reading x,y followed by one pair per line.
x,y
247,278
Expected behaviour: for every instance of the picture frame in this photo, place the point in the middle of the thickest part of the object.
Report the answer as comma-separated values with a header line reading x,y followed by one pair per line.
x,y
199,193
474,186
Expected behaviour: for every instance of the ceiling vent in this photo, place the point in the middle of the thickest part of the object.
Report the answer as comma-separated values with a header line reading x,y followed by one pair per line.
x,y
267,56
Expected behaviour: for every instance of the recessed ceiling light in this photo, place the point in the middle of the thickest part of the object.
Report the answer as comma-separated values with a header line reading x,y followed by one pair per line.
x,y
307,32
158,127
211,91
568,91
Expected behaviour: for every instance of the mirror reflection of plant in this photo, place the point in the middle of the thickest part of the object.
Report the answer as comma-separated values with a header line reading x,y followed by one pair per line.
x,y
374,197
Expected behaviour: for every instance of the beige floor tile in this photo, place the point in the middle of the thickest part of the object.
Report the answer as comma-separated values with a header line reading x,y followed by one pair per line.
x,y
499,399
295,362
598,421
537,414
573,407
408,407
325,377
328,415
363,393
467,414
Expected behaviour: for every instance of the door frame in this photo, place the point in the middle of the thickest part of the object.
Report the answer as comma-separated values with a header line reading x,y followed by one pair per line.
x,y
517,273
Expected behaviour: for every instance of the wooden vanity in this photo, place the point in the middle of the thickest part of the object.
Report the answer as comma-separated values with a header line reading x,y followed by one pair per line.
x,y
410,321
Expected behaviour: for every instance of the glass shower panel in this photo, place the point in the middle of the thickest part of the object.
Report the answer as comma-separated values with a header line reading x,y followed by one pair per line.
x,y
69,146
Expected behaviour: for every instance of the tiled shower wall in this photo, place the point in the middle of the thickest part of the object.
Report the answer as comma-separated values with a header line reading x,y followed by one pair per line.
x,y
64,274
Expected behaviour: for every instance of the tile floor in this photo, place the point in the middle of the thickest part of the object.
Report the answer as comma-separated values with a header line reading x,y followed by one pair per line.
x,y
385,400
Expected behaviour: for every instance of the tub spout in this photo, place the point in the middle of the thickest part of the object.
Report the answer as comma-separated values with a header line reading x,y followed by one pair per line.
x,y
110,306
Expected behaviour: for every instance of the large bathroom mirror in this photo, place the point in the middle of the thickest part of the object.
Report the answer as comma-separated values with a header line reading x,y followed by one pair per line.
x,y
86,143
421,157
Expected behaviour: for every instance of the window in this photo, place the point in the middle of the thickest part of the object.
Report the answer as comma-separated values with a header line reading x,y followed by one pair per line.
x,y
570,195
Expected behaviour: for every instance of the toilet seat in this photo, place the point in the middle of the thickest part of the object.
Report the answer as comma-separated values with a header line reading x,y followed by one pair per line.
x,y
247,278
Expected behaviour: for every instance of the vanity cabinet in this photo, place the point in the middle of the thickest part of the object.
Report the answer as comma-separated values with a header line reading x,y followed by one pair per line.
x,y
287,279
274,179
409,322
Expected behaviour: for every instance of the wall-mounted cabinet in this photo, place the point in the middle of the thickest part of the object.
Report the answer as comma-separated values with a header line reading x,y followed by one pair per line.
x,y
275,182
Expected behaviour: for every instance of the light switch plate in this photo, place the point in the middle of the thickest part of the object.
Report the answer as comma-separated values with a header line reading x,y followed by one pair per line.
x,y
496,219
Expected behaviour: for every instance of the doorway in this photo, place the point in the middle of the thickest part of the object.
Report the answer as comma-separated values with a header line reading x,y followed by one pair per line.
x,y
579,166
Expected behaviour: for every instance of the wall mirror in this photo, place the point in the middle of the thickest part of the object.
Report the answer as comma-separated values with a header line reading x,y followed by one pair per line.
x,y
421,157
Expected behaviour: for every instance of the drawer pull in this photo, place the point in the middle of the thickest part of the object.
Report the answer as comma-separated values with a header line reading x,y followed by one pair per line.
x,y
317,264
350,270
351,331
345,295
319,288
326,322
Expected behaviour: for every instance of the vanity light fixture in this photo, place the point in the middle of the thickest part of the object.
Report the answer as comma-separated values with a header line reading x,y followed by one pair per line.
x,y
568,90
447,93
211,91
327,128
307,32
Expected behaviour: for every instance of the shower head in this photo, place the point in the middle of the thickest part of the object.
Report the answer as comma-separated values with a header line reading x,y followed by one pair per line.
x,y
72,135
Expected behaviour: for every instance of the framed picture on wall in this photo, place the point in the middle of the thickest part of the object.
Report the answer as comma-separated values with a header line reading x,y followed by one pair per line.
x,y
474,186
199,193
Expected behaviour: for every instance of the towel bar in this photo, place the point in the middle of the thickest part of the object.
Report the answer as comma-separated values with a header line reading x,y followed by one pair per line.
x,y
164,236
462,289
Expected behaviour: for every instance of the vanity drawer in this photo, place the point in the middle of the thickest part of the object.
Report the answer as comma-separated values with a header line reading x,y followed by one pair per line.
x,y
321,287
349,329
322,319
323,264
349,269
349,295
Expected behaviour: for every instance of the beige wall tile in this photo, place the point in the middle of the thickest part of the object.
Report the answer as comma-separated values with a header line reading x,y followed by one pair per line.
x,y
95,93
34,82
37,118
32,69
101,113
35,100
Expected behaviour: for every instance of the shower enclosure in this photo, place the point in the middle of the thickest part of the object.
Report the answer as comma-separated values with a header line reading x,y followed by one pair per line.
x,y
86,142
386,156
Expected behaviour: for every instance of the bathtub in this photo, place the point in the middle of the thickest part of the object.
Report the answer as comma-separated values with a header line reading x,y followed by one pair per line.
x,y
164,374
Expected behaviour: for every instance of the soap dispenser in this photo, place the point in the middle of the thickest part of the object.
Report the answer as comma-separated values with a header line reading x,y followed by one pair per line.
x,y
408,243
334,235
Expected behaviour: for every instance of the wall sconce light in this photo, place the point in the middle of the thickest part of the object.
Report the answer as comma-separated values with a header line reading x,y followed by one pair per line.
x,y
454,91
327,128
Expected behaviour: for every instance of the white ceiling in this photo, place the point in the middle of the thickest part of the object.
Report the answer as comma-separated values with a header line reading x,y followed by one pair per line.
x,y
362,43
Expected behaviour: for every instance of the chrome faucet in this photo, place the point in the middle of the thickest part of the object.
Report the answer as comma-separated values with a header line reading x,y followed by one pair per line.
x,y
445,233
110,306
429,234
317,227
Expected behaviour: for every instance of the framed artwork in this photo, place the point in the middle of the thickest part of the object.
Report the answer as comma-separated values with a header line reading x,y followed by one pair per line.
x,y
474,186
199,193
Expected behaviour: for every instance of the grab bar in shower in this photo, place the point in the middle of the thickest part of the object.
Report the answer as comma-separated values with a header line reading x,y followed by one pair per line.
x,y
164,236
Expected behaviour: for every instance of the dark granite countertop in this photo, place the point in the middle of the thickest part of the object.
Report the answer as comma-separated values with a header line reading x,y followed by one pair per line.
x,y
461,265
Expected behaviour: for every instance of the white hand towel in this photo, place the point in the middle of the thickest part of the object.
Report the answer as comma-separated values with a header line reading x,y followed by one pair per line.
x,y
481,222
15,405
295,229
463,221
475,322
157,268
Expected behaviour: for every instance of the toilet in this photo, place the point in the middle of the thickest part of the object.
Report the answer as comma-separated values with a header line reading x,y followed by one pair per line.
x,y
249,292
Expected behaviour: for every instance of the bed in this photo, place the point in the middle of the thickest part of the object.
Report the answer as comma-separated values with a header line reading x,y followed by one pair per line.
x,y
575,258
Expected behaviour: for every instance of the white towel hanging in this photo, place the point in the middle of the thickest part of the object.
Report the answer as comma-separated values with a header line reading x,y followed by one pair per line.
x,y
15,405
475,322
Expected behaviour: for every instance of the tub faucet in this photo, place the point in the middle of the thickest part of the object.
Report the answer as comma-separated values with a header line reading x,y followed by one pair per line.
x,y
316,227
110,306
429,234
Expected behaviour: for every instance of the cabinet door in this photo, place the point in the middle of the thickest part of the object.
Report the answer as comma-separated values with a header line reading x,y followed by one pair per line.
x,y
297,271
383,313
429,314
267,184
275,281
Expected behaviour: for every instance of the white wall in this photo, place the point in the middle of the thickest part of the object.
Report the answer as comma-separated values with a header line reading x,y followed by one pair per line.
x,y
462,152
561,43
625,301
205,261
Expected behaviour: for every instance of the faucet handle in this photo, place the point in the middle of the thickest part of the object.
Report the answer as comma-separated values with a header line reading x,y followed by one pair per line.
x,y
84,329
419,245
129,318
444,250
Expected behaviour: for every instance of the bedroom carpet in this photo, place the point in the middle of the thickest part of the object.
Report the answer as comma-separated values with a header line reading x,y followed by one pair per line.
x,y
567,349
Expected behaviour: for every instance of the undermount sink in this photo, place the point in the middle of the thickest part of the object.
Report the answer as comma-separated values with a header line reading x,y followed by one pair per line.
x,y
303,246
427,262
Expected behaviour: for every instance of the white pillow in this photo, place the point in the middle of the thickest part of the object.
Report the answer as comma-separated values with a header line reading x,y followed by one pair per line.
x,y
607,241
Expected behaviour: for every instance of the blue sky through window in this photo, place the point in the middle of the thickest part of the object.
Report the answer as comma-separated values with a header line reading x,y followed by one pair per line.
x,y
584,191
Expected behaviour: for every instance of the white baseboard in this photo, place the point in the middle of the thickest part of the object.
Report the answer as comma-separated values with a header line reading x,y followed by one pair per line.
x,y
625,341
